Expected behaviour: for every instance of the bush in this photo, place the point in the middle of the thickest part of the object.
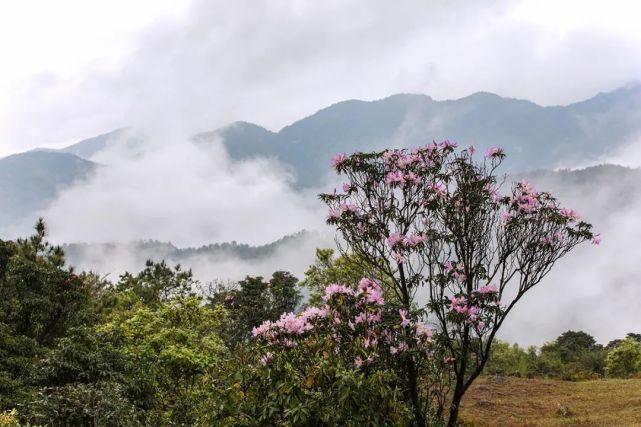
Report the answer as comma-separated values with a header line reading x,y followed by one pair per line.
x,y
624,360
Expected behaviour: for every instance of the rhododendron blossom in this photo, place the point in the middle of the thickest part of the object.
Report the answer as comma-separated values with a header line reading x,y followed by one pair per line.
x,y
338,160
494,152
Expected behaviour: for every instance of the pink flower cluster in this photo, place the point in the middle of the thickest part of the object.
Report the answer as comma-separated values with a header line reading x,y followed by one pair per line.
x,y
570,214
348,187
456,270
342,210
371,290
354,327
397,177
338,160
396,240
471,313
337,289
487,289
525,198
553,239
494,152
439,189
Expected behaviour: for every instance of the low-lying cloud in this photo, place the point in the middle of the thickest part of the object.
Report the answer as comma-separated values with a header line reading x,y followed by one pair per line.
x,y
191,194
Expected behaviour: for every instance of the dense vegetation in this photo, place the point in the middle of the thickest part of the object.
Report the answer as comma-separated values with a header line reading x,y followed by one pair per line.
x,y
77,349
159,348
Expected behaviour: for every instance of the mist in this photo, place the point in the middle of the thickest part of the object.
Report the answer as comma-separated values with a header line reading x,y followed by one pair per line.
x,y
217,62
173,189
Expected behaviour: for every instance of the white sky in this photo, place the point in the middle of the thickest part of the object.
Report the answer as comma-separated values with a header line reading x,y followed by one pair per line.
x,y
70,69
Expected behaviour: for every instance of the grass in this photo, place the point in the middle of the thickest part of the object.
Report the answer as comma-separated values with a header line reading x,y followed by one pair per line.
x,y
508,401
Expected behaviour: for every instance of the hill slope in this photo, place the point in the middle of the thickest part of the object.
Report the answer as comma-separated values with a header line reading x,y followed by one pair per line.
x,y
30,181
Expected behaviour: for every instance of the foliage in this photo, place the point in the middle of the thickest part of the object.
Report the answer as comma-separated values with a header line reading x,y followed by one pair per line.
x,y
40,298
327,269
253,300
158,283
625,359
572,356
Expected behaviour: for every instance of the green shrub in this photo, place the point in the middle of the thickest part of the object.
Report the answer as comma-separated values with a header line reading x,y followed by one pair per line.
x,y
624,360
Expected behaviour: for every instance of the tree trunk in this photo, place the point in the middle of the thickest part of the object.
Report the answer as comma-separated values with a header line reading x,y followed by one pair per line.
x,y
456,402
413,386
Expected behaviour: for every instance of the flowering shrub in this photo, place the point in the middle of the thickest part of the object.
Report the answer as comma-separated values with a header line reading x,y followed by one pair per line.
x,y
434,218
355,332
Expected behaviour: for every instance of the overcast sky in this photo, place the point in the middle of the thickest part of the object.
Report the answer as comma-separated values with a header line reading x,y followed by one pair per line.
x,y
75,68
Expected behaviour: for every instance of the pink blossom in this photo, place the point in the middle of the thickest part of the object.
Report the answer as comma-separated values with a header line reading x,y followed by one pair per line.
x,y
526,198
266,358
399,257
358,362
506,217
596,240
292,324
347,187
348,207
407,160
395,239
570,214
494,192
487,289
494,152
394,177
312,312
439,189
336,289
414,240
459,305
448,145
412,177
405,321
422,330
388,155
372,290
334,213
471,149
449,267
338,160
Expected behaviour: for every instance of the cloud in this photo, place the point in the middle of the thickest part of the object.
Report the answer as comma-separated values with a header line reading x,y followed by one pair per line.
x,y
190,194
279,61
294,255
595,288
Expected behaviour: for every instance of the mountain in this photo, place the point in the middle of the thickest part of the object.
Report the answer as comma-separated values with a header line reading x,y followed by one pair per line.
x,y
534,136
87,148
30,181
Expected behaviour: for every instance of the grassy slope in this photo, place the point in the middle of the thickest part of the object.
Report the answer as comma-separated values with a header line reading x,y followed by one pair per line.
x,y
537,402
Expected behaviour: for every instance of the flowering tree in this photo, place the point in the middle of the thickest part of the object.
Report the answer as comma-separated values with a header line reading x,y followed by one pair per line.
x,y
434,219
